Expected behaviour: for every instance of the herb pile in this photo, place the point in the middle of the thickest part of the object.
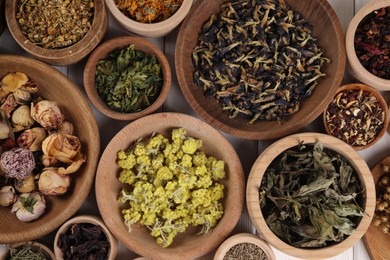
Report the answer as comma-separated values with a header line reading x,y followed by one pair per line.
x,y
382,208
54,24
309,195
128,80
27,251
173,185
258,59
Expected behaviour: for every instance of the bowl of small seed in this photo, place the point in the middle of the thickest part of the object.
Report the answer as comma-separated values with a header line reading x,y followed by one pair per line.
x,y
368,45
310,195
127,78
155,18
358,115
260,74
244,246
57,32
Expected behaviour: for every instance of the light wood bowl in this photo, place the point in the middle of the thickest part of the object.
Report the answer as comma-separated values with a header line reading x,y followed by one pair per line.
x,y
243,238
35,246
381,101
355,68
102,52
54,86
63,56
152,30
326,28
187,245
377,242
265,159
91,220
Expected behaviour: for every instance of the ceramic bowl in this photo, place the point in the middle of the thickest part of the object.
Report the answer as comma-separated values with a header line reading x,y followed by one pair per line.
x,y
63,56
355,68
244,238
152,30
90,220
54,86
332,143
382,103
186,245
120,43
326,28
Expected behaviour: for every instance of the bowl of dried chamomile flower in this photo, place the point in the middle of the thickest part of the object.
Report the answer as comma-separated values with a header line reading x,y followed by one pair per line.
x,y
57,32
311,196
260,74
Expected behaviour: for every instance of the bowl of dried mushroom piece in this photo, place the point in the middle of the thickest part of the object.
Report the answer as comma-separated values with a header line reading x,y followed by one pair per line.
x,y
64,35
358,115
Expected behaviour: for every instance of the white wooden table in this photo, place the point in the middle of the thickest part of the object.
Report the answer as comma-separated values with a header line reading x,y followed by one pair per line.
x,y
247,150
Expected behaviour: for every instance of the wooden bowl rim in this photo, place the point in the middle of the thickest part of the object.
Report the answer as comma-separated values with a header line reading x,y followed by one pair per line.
x,y
257,172
90,167
381,101
133,242
272,133
62,56
243,238
153,29
91,220
117,43
354,63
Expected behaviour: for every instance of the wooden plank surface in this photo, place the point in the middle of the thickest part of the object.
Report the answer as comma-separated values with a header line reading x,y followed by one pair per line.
x,y
247,150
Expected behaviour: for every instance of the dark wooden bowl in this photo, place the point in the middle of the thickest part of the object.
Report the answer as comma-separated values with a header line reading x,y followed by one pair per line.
x,y
326,28
63,56
54,86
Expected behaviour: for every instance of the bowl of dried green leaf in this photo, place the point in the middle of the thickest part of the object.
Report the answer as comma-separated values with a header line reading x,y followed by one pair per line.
x,y
311,196
127,78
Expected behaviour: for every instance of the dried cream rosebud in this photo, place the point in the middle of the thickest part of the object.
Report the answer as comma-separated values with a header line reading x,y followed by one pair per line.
x,y
12,82
5,127
66,128
9,105
52,183
29,206
21,118
7,196
32,138
26,185
47,114
22,97
61,146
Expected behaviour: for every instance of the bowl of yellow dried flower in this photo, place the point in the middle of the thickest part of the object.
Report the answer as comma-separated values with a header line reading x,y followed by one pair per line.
x,y
169,186
154,18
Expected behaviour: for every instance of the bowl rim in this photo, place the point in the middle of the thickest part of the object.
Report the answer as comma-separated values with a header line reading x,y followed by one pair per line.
x,y
90,171
257,172
119,43
62,56
121,232
149,29
360,72
382,103
91,220
249,134
243,238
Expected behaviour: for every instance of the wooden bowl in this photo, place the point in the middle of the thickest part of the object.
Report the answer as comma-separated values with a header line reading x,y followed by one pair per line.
x,y
187,245
102,52
326,28
377,242
67,55
243,238
54,86
91,220
35,246
381,101
153,30
355,68
265,159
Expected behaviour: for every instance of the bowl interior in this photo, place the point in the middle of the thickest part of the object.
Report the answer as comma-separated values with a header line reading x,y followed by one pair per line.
x,y
56,87
326,28
186,245
367,198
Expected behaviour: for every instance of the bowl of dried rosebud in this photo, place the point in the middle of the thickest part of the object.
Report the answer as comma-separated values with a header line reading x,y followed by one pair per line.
x,y
368,45
85,237
358,115
57,32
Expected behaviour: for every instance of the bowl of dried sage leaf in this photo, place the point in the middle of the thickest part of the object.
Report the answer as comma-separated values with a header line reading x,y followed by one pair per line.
x,y
311,195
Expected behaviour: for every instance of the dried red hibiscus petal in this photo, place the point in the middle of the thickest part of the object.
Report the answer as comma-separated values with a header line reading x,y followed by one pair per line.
x,y
84,241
